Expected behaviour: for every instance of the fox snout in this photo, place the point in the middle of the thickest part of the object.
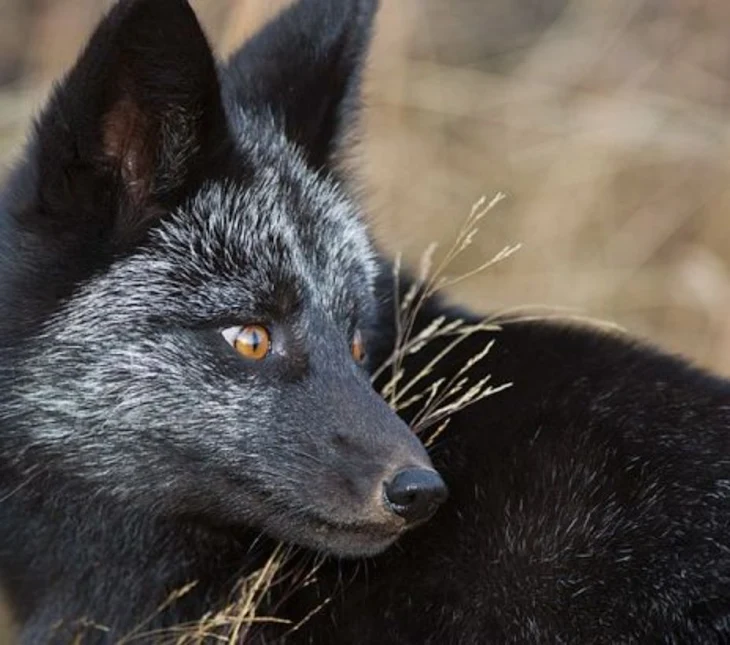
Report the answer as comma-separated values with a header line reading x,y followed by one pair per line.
x,y
371,478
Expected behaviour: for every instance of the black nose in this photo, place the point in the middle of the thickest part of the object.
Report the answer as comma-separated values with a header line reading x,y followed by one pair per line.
x,y
416,494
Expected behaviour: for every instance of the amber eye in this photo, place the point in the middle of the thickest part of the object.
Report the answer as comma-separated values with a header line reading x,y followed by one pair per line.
x,y
358,347
252,341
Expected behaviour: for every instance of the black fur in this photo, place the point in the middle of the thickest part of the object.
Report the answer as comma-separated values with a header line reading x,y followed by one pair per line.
x,y
315,100
590,501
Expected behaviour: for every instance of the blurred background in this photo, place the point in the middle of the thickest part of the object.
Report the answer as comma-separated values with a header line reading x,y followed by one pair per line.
x,y
606,122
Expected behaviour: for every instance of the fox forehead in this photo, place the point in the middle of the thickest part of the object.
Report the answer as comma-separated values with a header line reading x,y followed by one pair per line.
x,y
275,231
285,219
235,243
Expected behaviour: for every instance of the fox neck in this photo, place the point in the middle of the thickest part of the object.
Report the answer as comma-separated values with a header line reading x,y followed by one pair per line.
x,y
144,559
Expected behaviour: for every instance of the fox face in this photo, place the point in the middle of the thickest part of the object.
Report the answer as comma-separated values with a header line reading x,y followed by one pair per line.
x,y
189,286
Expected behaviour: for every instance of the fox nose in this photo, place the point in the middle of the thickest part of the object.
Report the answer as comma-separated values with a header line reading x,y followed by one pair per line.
x,y
415,494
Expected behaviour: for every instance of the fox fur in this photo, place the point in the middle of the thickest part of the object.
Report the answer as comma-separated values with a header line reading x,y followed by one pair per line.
x,y
164,197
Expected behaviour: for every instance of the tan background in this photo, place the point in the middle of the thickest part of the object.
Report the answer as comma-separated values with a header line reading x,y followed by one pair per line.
x,y
606,122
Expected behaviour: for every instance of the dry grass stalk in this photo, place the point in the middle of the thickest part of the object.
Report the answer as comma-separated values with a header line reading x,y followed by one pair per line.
x,y
443,397
229,625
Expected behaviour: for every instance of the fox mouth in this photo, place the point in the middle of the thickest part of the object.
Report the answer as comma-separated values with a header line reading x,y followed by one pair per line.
x,y
354,539
314,530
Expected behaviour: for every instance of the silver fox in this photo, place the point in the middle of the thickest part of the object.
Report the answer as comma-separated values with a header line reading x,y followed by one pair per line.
x,y
190,311
157,218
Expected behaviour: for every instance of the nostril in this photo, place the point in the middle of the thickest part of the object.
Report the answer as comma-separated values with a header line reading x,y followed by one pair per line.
x,y
415,494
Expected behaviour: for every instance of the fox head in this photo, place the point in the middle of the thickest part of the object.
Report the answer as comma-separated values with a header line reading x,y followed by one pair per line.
x,y
186,285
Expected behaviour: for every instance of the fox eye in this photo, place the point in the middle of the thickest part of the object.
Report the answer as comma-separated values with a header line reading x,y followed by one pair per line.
x,y
358,347
251,341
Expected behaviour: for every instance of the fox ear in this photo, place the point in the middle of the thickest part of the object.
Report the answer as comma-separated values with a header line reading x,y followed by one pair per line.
x,y
305,68
131,124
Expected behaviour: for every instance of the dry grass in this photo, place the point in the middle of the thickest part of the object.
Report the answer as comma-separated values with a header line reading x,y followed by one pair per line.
x,y
607,126
233,623
440,398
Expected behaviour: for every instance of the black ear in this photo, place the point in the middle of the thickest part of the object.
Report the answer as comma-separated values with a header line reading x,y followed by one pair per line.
x,y
305,69
132,123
